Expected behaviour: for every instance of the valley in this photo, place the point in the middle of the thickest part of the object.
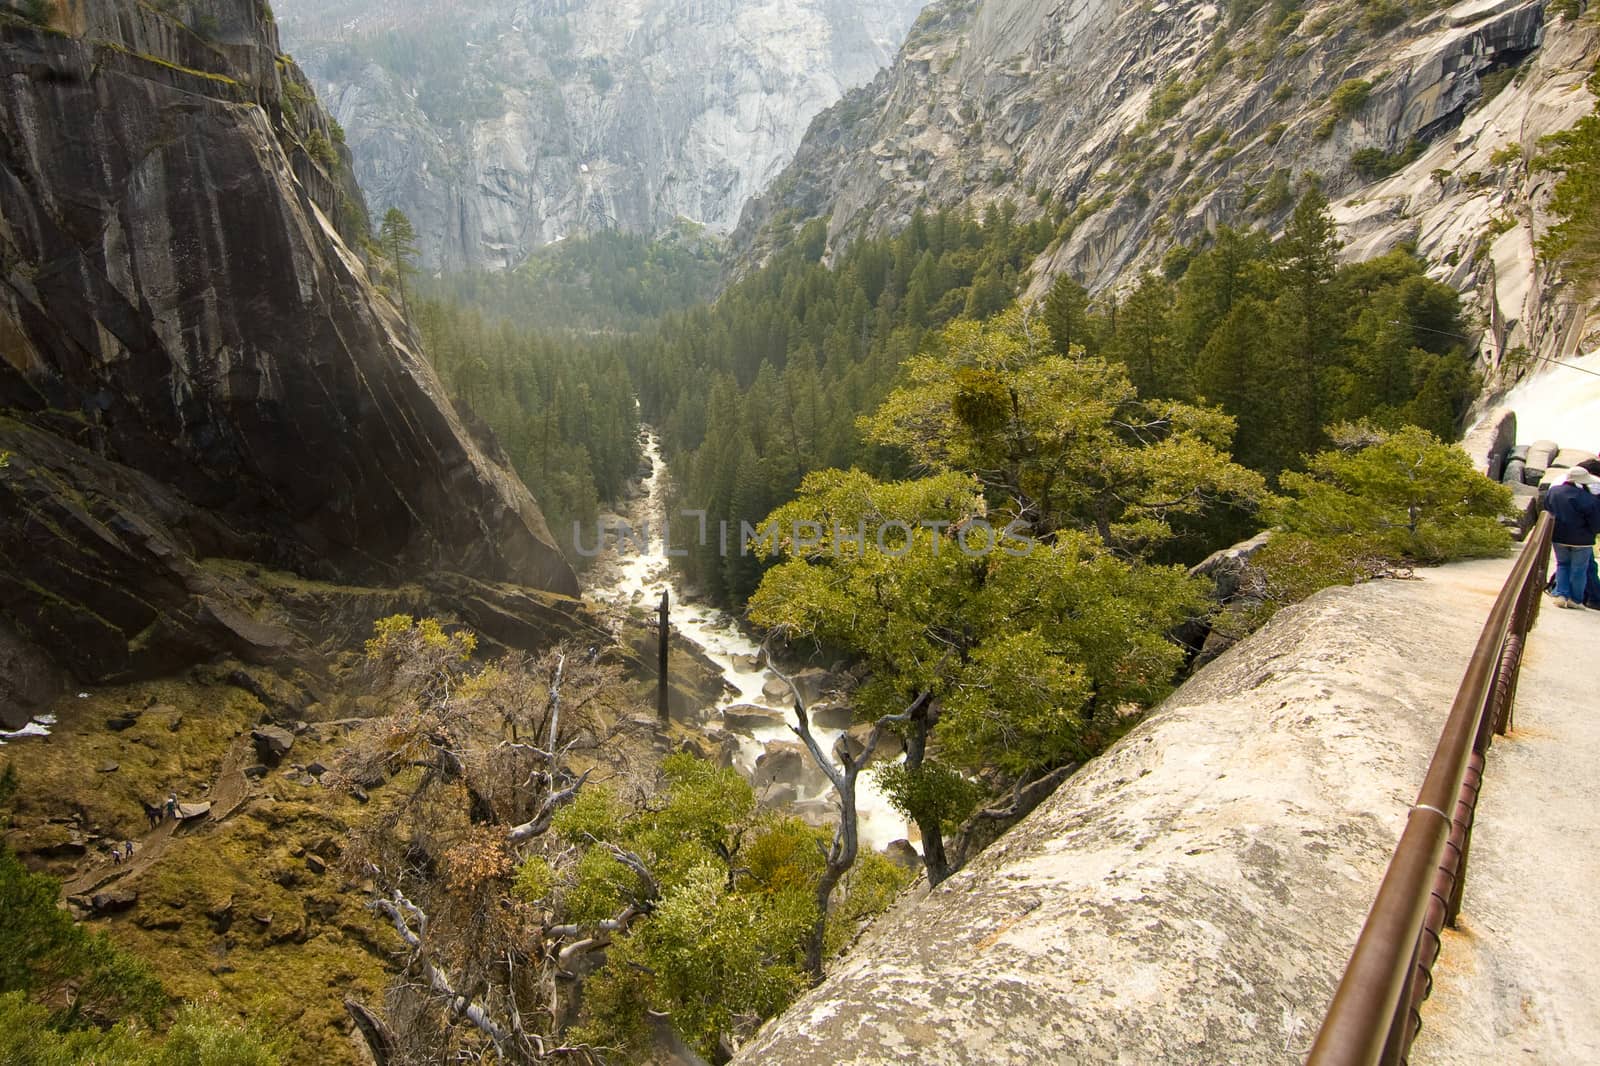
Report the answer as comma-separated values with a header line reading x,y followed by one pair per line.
x,y
1002,394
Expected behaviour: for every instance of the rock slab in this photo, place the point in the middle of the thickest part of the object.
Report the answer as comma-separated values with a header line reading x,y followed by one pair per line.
x,y
1192,895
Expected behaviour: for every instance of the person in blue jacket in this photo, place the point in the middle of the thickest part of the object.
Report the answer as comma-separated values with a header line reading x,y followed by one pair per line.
x,y
1577,517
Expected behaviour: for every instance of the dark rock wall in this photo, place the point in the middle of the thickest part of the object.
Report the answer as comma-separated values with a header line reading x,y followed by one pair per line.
x,y
192,363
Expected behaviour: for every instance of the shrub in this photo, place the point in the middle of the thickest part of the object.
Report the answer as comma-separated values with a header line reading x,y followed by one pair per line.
x,y
1404,496
1506,154
1373,163
1350,96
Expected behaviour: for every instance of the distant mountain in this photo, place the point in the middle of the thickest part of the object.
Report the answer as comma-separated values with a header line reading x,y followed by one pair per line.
x,y
1137,127
505,125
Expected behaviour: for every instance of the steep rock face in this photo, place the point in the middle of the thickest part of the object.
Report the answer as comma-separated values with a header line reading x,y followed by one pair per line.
x,y
1192,895
193,365
1138,126
502,126
1474,205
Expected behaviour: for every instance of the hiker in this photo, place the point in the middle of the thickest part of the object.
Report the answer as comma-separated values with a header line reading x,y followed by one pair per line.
x,y
127,850
172,805
116,855
1577,519
1591,592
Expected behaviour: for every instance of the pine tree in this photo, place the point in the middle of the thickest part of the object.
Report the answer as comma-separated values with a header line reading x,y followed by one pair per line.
x,y
1065,313
398,239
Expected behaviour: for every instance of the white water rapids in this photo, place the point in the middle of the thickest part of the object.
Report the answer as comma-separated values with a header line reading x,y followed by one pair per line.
x,y
1561,403
639,579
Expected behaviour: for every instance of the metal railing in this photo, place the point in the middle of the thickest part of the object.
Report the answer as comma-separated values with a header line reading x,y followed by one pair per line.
x,y
1375,1012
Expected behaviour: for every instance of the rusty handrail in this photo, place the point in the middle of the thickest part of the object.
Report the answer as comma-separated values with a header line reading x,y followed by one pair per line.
x,y
1374,1014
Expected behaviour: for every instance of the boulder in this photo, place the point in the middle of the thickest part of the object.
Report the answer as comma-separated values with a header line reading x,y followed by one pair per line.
x,y
119,723
714,746
746,718
1541,454
903,855
107,768
821,812
833,714
272,743
1228,567
890,744
777,796
1572,457
1515,470
812,681
113,900
847,747
783,762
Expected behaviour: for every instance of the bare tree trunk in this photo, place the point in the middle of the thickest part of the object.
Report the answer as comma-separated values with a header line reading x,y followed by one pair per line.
x,y
846,843
934,861
661,681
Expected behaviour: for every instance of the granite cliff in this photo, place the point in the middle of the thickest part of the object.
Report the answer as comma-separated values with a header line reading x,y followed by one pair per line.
x,y
1137,127
502,126
198,385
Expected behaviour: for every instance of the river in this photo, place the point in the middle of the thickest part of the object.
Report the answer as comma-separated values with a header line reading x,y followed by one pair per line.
x,y
636,577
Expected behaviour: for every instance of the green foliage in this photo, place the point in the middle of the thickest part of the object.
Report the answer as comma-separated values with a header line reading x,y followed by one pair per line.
x,y
1032,645
318,148
1349,97
1286,340
397,239
198,1037
1169,99
535,879
43,953
1374,163
708,956
1403,495
764,386
1293,566
1070,442
68,996
1381,16
932,792
297,95
1574,242
869,889
724,944
602,283
1275,197
566,418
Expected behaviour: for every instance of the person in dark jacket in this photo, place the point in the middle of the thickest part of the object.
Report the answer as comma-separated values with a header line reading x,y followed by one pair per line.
x,y
1577,519
1591,591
